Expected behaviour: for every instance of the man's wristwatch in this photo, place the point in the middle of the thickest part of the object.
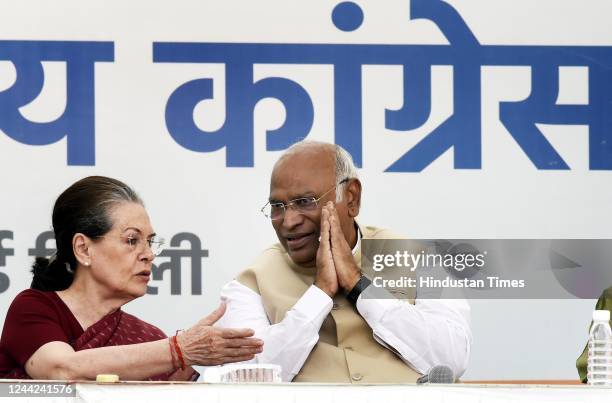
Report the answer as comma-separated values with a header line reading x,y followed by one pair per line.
x,y
361,285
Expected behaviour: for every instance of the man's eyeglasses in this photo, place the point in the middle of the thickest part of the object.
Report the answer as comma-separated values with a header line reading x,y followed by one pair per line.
x,y
276,210
137,243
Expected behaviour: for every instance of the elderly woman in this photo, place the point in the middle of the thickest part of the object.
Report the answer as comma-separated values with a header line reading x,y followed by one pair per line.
x,y
69,324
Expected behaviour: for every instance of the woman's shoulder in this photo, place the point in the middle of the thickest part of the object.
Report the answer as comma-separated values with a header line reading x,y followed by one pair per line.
x,y
31,294
30,299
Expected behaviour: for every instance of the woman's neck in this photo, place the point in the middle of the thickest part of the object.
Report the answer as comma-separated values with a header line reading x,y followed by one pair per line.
x,y
88,302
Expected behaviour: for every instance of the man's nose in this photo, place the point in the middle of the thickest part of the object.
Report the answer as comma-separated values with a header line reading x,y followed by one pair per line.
x,y
292,217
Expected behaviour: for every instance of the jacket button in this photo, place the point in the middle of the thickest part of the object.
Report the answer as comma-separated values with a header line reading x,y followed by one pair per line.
x,y
356,376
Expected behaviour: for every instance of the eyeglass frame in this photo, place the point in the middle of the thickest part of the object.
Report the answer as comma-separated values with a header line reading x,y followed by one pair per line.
x,y
293,201
147,241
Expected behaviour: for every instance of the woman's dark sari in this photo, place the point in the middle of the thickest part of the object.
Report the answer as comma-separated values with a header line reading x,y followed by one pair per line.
x,y
115,329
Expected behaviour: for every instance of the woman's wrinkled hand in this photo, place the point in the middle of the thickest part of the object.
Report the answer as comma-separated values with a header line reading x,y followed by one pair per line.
x,y
204,344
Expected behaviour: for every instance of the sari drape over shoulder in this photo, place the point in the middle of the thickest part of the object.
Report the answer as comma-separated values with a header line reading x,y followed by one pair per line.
x,y
117,329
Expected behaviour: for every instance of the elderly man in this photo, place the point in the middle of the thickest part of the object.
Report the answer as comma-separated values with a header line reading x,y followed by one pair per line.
x,y
305,296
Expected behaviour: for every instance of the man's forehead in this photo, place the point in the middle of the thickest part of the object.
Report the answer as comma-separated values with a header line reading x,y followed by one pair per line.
x,y
304,169
319,153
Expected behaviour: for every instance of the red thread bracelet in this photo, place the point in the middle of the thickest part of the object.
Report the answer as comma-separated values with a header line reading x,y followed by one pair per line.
x,y
179,352
174,365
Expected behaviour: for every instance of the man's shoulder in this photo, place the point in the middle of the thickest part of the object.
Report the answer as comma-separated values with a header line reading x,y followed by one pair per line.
x,y
272,253
371,232
270,260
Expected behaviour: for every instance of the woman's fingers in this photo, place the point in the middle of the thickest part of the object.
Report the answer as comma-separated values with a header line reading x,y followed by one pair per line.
x,y
230,333
251,342
237,352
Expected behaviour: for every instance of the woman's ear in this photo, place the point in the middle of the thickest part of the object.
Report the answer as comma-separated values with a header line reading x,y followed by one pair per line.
x,y
81,249
353,197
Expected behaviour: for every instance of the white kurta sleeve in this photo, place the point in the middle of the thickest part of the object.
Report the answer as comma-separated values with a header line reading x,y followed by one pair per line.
x,y
287,343
430,332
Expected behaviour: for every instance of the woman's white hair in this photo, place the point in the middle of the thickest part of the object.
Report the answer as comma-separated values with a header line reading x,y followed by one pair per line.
x,y
345,167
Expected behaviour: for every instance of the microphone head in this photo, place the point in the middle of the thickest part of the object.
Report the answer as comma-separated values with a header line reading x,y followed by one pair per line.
x,y
441,374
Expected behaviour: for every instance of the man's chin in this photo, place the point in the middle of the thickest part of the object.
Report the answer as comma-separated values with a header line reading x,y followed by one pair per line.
x,y
303,256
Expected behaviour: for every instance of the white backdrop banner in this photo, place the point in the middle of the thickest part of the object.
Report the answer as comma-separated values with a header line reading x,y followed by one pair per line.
x,y
467,119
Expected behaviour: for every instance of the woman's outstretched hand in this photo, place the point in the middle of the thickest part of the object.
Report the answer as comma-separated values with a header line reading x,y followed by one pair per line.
x,y
203,344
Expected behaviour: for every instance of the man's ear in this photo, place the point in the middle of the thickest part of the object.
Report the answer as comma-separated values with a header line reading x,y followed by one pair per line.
x,y
81,249
353,197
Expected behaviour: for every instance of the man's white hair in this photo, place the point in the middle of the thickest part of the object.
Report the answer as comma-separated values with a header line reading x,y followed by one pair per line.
x,y
345,167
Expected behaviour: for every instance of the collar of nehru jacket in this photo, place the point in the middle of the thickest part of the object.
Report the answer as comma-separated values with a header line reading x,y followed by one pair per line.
x,y
358,239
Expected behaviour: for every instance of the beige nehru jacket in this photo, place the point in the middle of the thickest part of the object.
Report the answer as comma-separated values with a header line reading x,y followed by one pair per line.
x,y
346,350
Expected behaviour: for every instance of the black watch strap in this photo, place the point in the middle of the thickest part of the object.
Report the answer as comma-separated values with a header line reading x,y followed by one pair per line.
x,y
361,285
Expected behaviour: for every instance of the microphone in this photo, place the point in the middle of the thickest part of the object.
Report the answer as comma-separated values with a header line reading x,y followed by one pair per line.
x,y
438,374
